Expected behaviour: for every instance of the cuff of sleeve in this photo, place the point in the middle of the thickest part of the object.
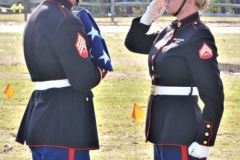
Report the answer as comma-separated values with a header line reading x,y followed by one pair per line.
x,y
205,136
145,20
136,21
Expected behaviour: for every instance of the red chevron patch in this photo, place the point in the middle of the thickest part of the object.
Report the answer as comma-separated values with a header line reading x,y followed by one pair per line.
x,y
205,52
81,46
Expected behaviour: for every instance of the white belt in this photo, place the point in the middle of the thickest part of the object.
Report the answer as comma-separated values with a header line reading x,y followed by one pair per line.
x,y
166,90
52,84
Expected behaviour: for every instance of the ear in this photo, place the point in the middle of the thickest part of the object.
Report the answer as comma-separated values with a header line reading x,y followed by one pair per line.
x,y
190,3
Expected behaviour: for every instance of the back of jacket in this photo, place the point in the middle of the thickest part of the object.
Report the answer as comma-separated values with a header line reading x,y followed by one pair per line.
x,y
50,47
55,48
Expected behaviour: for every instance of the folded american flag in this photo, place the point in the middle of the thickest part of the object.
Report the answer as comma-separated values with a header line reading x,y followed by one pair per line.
x,y
98,47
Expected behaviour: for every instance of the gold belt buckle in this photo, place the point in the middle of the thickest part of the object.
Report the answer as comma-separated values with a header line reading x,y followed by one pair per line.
x,y
154,90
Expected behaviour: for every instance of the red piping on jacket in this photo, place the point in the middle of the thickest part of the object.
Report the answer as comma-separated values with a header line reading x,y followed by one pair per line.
x,y
48,145
210,131
150,101
59,5
149,117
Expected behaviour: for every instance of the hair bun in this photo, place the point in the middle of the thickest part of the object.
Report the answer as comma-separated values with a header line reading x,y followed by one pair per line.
x,y
202,4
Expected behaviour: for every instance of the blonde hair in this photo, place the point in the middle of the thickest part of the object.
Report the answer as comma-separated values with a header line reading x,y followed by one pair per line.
x,y
202,4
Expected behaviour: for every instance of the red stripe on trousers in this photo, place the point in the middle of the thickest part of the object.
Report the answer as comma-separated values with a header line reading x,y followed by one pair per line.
x,y
71,154
184,152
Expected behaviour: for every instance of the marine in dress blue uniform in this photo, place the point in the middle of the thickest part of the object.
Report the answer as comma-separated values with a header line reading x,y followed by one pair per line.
x,y
60,113
184,55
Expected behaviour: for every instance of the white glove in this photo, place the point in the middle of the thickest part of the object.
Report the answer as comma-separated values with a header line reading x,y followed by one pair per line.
x,y
155,9
198,151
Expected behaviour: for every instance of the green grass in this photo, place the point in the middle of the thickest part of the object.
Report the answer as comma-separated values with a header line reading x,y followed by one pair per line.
x,y
221,19
12,17
228,45
120,137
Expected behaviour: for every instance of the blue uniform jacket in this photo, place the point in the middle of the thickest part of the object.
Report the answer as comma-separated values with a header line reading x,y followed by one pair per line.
x,y
182,54
55,48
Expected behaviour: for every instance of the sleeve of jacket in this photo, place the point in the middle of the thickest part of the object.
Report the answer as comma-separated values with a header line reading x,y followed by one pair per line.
x,y
70,45
137,40
201,55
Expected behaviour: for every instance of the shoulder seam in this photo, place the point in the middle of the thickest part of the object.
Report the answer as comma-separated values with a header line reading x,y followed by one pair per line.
x,y
62,10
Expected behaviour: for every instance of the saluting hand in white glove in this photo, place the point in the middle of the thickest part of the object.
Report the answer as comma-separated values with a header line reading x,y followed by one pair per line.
x,y
155,9
198,151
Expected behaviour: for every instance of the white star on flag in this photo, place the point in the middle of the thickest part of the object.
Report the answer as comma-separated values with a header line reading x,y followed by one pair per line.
x,y
104,56
93,33
97,45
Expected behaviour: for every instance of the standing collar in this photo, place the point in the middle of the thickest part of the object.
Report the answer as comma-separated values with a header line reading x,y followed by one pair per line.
x,y
65,3
183,22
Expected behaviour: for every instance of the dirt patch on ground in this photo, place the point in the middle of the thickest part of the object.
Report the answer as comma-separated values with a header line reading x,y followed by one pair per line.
x,y
232,68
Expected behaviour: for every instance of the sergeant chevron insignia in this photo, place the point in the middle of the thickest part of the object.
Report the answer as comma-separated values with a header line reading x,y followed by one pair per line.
x,y
81,46
205,52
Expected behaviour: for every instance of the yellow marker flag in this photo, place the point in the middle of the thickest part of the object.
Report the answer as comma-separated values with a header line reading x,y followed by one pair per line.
x,y
9,91
137,113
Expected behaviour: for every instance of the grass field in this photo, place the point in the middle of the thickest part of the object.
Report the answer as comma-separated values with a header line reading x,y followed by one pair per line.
x,y
120,137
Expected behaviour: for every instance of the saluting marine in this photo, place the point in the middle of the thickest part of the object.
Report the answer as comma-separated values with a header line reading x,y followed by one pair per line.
x,y
182,66
59,121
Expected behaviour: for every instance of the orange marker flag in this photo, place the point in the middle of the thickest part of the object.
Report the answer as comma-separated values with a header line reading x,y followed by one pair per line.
x,y
9,91
137,113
